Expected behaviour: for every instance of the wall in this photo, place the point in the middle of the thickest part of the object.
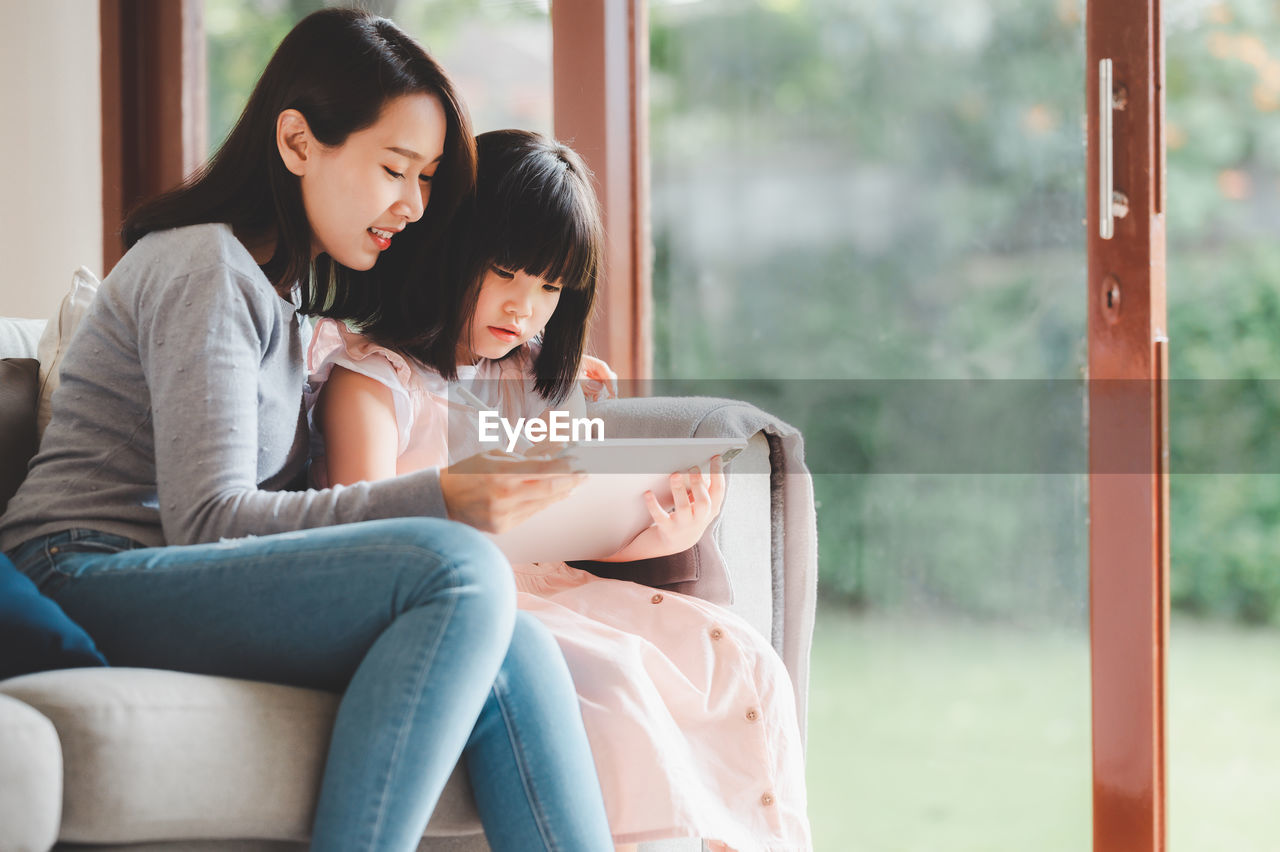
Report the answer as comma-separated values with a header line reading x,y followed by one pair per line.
x,y
50,151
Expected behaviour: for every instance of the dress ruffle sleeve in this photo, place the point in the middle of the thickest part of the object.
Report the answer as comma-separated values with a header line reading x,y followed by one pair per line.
x,y
334,345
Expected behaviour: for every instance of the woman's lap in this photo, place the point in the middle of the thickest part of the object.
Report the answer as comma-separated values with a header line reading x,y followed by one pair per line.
x,y
300,608
423,608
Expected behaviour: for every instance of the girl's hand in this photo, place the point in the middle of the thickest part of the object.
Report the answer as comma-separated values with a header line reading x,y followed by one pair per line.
x,y
494,491
698,498
599,381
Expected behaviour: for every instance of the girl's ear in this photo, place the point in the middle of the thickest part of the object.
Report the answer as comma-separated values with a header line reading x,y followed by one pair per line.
x,y
294,141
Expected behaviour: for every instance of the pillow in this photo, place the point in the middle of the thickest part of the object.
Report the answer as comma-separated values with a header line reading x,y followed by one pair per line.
x,y
19,388
58,333
35,634
19,337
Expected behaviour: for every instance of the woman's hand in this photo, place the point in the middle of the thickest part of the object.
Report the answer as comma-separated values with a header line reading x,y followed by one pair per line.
x,y
599,381
698,498
495,491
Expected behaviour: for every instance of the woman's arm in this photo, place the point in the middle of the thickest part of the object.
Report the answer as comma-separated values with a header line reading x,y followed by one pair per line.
x,y
220,361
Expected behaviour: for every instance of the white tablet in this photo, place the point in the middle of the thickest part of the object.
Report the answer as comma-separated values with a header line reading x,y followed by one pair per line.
x,y
608,510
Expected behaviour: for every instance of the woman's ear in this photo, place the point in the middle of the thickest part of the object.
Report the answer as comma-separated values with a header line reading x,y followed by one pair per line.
x,y
294,141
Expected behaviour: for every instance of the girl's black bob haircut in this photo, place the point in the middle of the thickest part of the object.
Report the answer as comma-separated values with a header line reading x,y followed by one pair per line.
x,y
339,68
534,211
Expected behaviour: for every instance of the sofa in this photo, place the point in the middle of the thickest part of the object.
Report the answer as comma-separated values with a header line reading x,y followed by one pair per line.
x,y
137,759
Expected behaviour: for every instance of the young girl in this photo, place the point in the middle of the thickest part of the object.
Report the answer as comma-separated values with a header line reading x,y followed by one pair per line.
x,y
690,713
156,513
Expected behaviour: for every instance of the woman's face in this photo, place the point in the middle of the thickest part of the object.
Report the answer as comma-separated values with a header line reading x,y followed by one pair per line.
x,y
360,194
512,308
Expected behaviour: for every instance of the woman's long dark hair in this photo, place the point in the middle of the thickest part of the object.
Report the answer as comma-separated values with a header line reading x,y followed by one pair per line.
x,y
339,68
534,210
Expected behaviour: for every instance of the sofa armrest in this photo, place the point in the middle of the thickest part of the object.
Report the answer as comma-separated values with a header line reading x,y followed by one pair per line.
x,y
30,778
744,535
760,558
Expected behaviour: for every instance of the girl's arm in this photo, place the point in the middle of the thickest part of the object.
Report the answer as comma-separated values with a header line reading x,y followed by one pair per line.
x,y
490,492
358,418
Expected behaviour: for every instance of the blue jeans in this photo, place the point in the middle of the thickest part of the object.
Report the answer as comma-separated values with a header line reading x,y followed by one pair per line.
x,y
412,619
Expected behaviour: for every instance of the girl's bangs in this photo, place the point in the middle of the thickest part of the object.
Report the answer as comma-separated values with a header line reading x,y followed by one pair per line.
x,y
556,246
536,213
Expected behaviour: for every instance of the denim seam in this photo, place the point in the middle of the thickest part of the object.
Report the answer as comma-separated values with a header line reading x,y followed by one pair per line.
x,y
425,661
517,750
59,577
249,563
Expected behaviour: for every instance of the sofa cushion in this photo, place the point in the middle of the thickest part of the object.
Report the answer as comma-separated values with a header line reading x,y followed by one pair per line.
x,y
154,755
30,777
19,384
35,634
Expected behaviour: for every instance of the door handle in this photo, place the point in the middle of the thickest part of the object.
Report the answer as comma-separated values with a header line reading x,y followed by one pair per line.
x,y
1112,205
1106,161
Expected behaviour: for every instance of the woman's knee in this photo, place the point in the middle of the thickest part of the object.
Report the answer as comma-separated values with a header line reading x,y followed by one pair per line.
x,y
435,556
535,657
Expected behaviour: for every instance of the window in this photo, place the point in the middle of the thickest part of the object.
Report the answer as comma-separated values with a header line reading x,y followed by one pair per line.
x,y
873,212
498,54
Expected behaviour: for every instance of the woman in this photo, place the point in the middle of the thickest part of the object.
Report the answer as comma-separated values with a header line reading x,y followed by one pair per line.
x,y
155,513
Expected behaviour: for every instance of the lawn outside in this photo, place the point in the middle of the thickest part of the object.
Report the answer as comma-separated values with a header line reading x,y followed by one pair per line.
x,y
940,734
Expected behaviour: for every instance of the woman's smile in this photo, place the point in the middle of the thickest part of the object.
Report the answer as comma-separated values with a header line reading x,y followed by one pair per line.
x,y
382,237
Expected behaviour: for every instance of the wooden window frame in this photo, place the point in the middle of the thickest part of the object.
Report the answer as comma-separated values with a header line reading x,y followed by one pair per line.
x,y
1128,434
600,64
153,104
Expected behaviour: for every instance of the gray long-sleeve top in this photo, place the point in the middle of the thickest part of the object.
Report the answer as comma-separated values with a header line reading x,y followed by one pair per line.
x,y
179,417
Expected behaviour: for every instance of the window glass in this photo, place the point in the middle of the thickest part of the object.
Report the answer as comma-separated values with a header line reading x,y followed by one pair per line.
x,y
867,219
1223,92
497,52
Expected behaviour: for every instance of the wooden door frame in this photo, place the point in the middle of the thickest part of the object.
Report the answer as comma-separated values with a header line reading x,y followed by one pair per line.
x,y
600,61
1128,428
153,104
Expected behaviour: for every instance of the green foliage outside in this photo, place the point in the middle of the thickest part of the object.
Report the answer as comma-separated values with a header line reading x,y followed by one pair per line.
x,y
936,159
1224,308
242,34
946,144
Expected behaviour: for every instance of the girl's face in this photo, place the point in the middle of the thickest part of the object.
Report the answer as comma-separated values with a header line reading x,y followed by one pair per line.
x,y
360,194
513,307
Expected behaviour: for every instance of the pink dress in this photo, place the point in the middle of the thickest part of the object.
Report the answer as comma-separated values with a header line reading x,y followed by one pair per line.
x,y
689,711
